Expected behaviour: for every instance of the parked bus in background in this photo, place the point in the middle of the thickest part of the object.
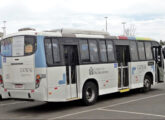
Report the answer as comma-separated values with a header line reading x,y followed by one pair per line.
x,y
65,65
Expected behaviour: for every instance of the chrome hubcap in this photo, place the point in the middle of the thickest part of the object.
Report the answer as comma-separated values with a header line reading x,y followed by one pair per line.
x,y
146,83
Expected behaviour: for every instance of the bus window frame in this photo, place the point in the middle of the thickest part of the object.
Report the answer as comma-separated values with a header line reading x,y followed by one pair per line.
x,y
99,62
35,49
80,52
59,57
68,41
151,50
61,63
155,43
136,49
144,50
114,51
98,59
106,52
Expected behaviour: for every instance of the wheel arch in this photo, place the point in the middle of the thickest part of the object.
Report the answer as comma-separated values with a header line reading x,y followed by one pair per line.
x,y
92,80
150,74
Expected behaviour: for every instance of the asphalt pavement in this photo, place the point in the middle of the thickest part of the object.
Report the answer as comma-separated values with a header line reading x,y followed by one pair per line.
x,y
131,105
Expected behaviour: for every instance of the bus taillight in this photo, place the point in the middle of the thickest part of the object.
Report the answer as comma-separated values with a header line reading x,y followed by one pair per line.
x,y
38,79
1,80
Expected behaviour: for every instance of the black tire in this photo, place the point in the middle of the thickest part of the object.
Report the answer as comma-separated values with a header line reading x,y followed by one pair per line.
x,y
147,84
90,93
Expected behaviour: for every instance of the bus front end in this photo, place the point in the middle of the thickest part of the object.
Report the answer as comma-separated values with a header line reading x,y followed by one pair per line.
x,y
22,74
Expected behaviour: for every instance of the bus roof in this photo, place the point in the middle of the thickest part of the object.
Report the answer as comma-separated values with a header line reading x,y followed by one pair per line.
x,y
76,33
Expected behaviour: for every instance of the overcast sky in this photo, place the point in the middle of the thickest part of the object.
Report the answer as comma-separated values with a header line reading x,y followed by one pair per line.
x,y
148,16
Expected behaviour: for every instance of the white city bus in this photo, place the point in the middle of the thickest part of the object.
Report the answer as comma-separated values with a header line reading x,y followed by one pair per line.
x,y
65,65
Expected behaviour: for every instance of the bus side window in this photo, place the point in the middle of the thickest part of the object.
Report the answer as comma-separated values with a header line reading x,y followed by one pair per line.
x,y
103,51
148,50
56,52
48,51
141,51
93,51
84,49
110,50
133,51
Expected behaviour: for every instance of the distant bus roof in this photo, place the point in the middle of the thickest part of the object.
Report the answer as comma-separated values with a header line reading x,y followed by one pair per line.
x,y
76,33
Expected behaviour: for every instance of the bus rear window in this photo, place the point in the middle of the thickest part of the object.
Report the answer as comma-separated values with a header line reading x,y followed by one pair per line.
x,y
18,46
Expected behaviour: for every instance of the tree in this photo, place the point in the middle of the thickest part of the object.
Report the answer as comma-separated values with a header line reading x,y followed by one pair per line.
x,y
162,42
131,30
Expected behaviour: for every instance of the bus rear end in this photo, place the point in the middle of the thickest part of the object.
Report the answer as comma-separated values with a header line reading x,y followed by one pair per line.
x,y
19,75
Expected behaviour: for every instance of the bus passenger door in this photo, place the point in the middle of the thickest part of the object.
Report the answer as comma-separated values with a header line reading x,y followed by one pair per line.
x,y
71,62
123,57
159,60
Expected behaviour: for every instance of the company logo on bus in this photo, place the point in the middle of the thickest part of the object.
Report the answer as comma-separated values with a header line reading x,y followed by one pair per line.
x,y
91,71
97,71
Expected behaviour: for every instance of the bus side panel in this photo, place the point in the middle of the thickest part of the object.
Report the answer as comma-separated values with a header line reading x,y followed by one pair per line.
x,y
105,74
138,71
57,85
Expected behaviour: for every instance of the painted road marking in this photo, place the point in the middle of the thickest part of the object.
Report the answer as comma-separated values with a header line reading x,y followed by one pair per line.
x,y
72,114
132,101
137,113
12,103
67,115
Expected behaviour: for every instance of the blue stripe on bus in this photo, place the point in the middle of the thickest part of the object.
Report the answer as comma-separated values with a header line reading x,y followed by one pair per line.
x,y
0,61
133,70
63,81
40,60
131,38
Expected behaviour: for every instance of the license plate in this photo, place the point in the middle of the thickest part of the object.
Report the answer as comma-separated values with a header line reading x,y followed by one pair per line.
x,y
18,86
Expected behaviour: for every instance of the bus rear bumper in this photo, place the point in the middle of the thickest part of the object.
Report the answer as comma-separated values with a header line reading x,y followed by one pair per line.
x,y
26,94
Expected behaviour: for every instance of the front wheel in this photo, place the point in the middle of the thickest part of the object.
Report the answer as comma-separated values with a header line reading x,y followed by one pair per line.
x,y
90,93
147,84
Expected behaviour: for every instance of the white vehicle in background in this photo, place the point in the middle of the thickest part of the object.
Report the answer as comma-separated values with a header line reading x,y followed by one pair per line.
x,y
3,93
65,65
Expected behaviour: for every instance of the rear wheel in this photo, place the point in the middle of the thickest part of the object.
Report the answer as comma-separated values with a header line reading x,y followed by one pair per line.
x,y
90,93
147,84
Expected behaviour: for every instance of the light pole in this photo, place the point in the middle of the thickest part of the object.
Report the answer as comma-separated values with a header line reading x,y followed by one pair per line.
x,y
123,27
106,26
4,28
